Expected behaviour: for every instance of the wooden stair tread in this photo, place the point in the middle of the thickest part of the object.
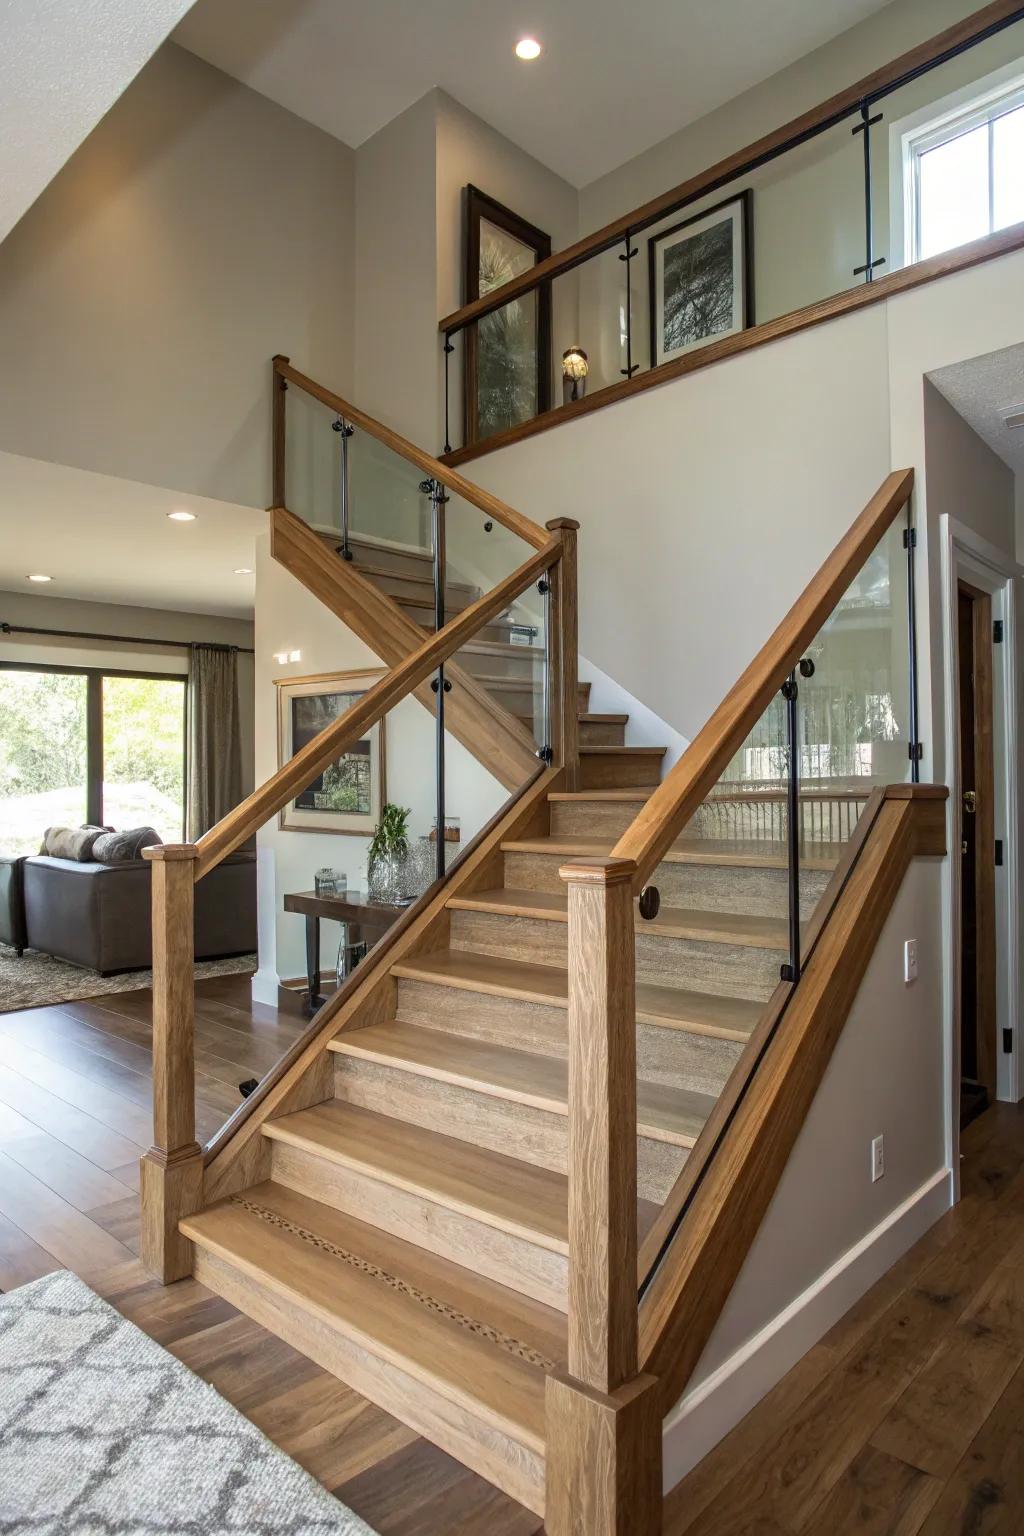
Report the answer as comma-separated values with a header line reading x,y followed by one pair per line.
x,y
382,1301
672,922
675,1115
366,569
602,796
517,1197
705,850
703,1013
501,648
623,751
591,719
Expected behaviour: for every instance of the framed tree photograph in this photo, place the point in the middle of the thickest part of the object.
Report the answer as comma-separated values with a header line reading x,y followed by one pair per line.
x,y
507,374
349,794
702,278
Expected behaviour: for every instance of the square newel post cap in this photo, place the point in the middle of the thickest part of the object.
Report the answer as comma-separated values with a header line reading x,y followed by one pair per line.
x,y
171,853
602,872
558,523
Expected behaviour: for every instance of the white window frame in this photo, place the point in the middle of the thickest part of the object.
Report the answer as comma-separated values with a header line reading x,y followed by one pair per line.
x,y
983,101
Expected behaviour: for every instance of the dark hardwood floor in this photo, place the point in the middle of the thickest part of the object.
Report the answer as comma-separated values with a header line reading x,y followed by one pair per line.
x,y
907,1417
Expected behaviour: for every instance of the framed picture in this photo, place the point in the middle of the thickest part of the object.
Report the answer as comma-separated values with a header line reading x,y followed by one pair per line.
x,y
349,794
702,278
507,376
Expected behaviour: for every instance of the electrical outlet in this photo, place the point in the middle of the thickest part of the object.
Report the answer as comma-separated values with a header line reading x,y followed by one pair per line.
x,y
877,1159
910,961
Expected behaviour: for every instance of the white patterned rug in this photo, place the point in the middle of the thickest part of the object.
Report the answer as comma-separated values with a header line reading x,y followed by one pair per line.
x,y
102,1433
35,979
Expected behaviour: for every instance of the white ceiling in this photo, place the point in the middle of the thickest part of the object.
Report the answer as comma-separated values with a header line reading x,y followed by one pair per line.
x,y
110,541
985,390
613,79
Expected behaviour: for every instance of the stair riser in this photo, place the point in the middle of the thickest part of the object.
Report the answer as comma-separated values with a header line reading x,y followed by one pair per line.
x,y
506,1257
602,733
400,586
676,1057
583,697
703,887
497,633
521,1131
612,771
389,557
510,1466
510,661
738,970
523,701
594,818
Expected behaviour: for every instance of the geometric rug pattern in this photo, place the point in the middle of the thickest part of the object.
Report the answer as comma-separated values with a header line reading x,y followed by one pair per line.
x,y
103,1433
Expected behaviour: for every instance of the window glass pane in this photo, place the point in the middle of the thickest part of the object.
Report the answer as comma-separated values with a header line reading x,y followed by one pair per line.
x,y
143,754
954,192
1008,168
42,756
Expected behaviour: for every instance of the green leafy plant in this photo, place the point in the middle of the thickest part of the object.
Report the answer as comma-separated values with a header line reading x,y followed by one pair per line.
x,y
391,835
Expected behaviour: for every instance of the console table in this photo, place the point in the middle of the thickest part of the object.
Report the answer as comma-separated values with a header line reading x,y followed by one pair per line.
x,y
365,918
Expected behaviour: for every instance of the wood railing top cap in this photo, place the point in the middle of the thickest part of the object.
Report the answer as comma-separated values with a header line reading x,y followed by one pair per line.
x,y
597,871
171,852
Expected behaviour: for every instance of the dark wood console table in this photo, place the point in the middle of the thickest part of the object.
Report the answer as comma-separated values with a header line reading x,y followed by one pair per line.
x,y
366,919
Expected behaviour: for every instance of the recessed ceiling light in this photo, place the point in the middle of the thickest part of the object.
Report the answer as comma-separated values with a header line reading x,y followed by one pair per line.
x,y
1016,417
243,570
182,517
40,577
528,48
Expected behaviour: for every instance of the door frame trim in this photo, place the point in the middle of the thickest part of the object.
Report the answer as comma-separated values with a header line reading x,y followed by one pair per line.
x,y
966,556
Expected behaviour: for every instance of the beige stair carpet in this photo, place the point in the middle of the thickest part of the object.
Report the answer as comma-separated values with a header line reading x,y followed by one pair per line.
x,y
103,1433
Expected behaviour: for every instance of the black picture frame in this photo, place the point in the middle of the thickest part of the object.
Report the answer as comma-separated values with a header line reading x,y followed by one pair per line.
x,y
744,203
479,206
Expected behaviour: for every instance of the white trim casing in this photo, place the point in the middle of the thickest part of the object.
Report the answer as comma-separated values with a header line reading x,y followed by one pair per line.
x,y
964,554
708,1412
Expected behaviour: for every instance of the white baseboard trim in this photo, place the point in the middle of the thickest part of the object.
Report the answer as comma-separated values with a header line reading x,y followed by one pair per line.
x,y
265,986
707,1413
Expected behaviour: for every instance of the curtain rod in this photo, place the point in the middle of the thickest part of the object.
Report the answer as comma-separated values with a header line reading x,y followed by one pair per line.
x,y
83,634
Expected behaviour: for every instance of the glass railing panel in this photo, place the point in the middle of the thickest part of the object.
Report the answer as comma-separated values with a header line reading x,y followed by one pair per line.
x,y
480,553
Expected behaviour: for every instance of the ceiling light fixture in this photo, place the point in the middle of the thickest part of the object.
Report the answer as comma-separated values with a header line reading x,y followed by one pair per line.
x,y
182,517
528,48
40,577
1016,417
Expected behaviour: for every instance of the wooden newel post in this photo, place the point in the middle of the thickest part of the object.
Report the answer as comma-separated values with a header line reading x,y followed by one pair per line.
x,y
564,650
603,1418
172,1169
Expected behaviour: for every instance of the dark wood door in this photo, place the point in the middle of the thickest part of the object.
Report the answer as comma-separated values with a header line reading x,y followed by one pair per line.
x,y
977,849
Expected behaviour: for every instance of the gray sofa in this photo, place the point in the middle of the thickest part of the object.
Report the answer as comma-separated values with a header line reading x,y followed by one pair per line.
x,y
98,915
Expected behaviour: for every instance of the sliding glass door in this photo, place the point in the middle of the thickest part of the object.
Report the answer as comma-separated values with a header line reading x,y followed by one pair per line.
x,y
44,731
82,745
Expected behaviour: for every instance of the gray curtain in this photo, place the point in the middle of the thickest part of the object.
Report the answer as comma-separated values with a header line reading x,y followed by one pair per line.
x,y
214,743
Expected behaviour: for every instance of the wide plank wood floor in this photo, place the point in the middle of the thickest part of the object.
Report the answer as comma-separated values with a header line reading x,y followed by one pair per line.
x,y
907,1417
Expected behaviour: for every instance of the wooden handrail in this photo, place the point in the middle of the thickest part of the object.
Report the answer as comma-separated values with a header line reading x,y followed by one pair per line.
x,y
246,819
677,797
524,527
879,82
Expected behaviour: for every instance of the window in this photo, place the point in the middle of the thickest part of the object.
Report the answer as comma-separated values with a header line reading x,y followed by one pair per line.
x,y
81,745
964,173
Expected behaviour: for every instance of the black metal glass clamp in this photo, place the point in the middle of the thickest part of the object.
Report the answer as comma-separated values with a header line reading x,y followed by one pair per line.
x,y
871,261
627,256
345,430
440,684
791,692
650,903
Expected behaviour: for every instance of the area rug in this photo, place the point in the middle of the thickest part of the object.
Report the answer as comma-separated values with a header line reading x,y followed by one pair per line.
x,y
103,1433
35,979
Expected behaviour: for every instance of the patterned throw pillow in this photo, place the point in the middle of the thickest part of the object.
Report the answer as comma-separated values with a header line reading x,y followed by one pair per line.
x,y
74,843
124,847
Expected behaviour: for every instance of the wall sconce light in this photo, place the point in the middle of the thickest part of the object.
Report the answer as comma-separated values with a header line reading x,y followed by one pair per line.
x,y
575,368
284,657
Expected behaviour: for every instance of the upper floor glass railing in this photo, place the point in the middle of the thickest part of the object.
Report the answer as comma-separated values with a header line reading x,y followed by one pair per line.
x,y
922,157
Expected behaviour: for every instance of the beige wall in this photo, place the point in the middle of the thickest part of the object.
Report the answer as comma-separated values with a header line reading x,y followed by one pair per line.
x,y
199,230
966,480
153,624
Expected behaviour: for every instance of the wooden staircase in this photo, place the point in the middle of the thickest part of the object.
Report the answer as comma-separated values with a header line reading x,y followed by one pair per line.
x,y
412,1235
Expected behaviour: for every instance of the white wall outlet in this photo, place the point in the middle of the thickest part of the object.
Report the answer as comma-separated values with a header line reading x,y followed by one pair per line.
x,y
877,1159
910,961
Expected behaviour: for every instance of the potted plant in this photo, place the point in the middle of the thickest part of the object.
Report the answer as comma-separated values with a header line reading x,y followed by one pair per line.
x,y
388,854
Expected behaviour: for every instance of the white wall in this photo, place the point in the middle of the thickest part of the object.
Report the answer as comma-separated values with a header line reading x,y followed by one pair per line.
x,y
199,230
830,1232
287,619
63,64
